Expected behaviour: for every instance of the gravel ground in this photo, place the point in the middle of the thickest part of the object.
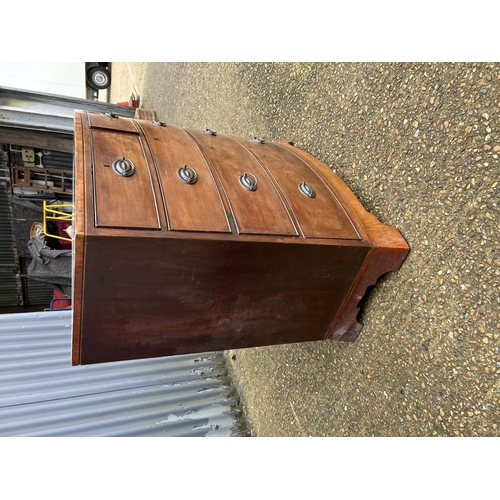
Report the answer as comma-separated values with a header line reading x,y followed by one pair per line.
x,y
418,144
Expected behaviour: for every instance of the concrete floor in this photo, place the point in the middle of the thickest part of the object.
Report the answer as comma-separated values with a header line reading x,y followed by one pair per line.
x,y
418,144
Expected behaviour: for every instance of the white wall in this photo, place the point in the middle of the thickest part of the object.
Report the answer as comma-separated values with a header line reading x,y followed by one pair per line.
x,y
67,79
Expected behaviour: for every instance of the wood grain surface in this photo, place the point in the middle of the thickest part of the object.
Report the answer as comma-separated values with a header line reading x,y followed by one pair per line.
x,y
122,201
185,296
190,207
255,212
162,267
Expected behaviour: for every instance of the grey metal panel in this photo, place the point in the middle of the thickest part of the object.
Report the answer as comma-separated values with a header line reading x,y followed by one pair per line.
x,y
42,120
39,293
48,112
55,160
42,140
64,102
4,166
10,283
41,394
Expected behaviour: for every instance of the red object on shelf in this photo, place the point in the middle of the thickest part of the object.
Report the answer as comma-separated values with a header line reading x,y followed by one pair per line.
x,y
132,102
60,301
61,227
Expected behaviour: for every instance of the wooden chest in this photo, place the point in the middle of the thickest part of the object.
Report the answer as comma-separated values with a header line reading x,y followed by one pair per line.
x,y
190,241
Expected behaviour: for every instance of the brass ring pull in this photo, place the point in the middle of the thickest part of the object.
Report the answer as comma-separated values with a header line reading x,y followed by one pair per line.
x,y
123,166
307,190
187,174
248,181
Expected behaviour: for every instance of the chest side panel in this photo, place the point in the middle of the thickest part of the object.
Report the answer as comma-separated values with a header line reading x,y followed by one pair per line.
x,y
167,297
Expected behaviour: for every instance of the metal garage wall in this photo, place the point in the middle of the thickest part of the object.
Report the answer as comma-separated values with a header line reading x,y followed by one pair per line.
x,y
10,283
39,293
41,394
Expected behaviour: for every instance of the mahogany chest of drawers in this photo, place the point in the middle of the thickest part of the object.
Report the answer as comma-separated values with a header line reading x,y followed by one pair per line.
x,y
190,241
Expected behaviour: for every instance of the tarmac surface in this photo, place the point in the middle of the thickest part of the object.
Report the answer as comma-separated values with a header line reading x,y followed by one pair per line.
x,y
418,144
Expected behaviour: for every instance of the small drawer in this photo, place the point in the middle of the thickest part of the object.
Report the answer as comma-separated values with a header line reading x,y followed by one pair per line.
x,y
123,189
112,121
192,200
318,212
256,205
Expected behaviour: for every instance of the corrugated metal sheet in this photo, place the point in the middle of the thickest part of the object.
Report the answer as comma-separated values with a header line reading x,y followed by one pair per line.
x,y
56,159
10,283
41,394
4,166
39,292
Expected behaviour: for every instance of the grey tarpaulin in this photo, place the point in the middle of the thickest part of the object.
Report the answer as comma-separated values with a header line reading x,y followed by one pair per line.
x,y
50,266
24,213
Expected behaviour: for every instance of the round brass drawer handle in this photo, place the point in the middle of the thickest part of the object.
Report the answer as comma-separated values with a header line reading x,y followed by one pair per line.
x,y
307,190
187,174
123,167
248,181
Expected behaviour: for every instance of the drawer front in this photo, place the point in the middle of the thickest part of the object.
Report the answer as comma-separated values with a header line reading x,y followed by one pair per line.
x,y
255,211
122,201
112,123
192,203
318,212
